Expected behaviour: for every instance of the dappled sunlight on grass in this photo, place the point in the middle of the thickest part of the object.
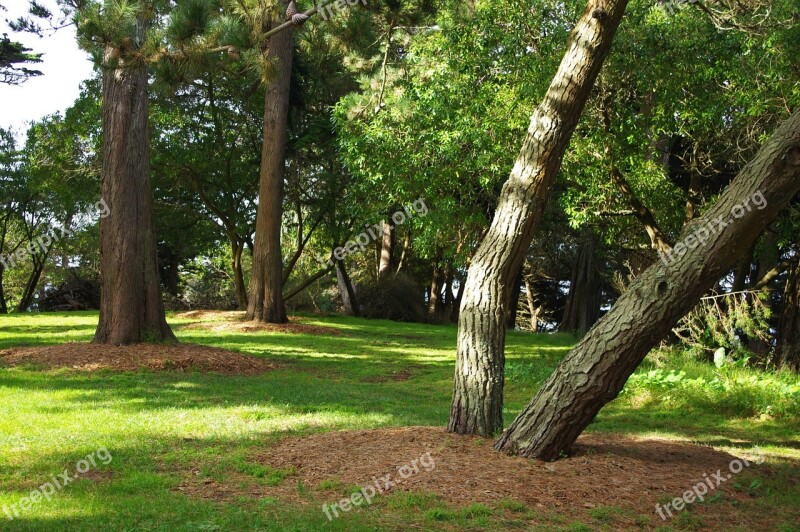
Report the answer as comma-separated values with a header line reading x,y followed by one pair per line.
x,y
160,425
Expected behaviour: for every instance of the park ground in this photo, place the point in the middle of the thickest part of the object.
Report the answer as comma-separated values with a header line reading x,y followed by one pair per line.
x,y
304,415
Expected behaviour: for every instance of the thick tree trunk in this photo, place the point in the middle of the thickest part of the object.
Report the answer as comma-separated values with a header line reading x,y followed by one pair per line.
x,y
582,309
477,404
346,290
131,309
595,371
788,351
266,300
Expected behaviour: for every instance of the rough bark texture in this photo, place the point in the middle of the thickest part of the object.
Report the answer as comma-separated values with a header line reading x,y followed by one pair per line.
x,y
131,309
582,308
478,385
595,371
266,302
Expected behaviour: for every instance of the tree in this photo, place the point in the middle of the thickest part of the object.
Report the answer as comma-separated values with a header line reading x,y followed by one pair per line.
x,y
478,385
131,309
596,370
266,297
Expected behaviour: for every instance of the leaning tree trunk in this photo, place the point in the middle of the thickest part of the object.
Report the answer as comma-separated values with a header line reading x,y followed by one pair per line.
x,y
477,404
595,371
266,300
131,309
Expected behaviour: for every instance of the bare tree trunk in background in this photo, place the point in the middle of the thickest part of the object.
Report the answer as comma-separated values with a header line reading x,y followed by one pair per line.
x,y
131,309
457,302
595,371
532,307
346,290
3,305
767,261
477,406
266,302
513,301
387,250
582,308
437,284
237,248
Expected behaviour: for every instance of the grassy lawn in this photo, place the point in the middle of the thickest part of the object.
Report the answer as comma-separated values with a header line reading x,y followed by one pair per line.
x,y
160,425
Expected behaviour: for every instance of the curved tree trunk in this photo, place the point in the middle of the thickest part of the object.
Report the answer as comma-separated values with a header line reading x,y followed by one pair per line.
x,y
266,300
595,371
477,404
131,309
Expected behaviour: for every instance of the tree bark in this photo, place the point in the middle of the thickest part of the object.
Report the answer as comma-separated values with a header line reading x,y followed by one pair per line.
x,y
131,309
582,309
595,371
477,404
266,303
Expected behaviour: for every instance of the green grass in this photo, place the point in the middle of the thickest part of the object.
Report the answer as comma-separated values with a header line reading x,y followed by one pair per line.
x,y
158,425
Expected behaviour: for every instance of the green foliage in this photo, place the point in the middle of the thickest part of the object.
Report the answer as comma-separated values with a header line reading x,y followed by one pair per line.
x,y
723,321
12,56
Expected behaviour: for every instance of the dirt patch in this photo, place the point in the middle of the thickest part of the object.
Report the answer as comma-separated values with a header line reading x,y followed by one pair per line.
x,y
234,322
604,470
156,357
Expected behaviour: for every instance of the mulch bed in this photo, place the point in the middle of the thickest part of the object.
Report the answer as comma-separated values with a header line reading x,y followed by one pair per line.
x,y
234,322
603,470
154,357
